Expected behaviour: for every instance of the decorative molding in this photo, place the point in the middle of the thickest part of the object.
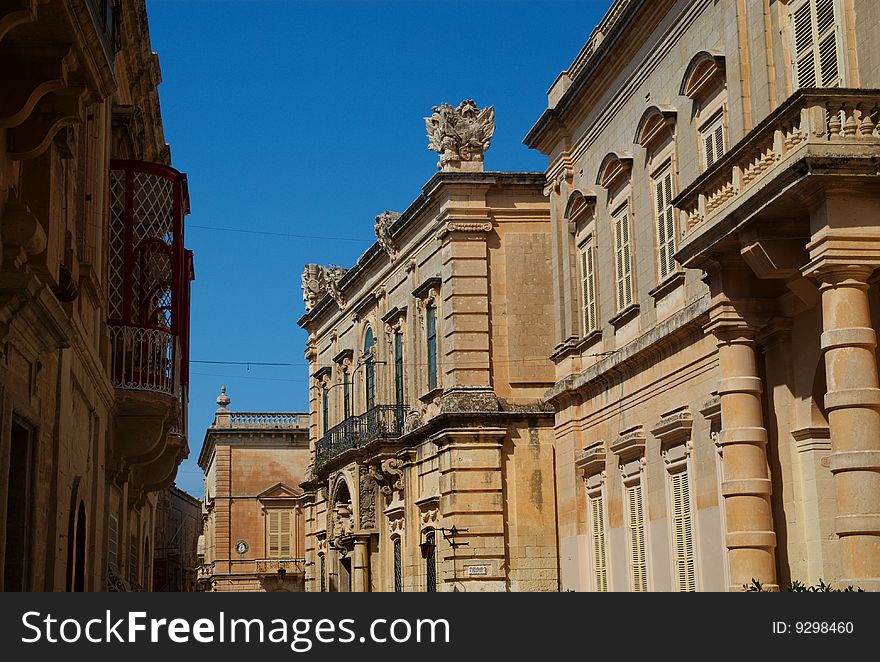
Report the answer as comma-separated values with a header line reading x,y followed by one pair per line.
x,y
464,399
394,314
668,285
471,227
703,68
655,122
427,287
624,315
345,354
711,409
630,444
429,508
614,166
364,305
318,280
591,461
460,135
366,498
388,473
323,371
812,439
674,427
395,513
382,226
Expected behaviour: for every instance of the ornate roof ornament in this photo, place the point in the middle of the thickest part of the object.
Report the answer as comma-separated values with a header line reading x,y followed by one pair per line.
x,y
383,224
460,135
318,280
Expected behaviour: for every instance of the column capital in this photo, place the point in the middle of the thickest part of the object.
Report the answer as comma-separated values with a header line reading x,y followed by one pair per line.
x,y
832,274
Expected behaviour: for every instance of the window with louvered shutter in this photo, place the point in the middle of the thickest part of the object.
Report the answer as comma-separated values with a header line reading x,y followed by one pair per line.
x,y
113,542
682,532
588,281
713,141
280,523
597,529
636,527
817,47
623,259
665,220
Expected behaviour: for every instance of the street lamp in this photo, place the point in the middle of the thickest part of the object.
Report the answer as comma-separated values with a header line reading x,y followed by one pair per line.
x,y
428,547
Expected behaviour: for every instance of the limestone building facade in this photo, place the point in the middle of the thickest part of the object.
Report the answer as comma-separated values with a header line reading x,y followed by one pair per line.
x,y
254,520
94,297
431,447
176,541
713,186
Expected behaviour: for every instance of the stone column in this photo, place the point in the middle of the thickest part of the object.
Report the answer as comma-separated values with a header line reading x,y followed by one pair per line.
x,y
853,405
746,487
360,567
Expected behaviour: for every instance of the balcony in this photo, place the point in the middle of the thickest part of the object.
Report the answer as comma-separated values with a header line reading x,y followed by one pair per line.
x,y
380,422
149,274
272,566
818,137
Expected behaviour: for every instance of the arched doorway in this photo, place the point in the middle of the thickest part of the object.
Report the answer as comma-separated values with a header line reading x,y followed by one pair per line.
x,y
76,540
341,527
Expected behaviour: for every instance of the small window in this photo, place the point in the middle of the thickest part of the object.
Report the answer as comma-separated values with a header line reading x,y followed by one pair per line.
x,y
431,564
682,531
431,340
325,407
398,368
636,529
588,286
398,567
280,533
623,259
713,141
665,220
597,530
817,48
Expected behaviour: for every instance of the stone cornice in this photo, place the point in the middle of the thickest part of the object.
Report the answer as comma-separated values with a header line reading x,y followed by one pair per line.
x,y
344,354
630,444
687,321
591,460
426,286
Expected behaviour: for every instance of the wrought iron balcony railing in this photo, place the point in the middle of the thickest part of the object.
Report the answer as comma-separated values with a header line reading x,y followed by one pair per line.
x,y
272,566
380,422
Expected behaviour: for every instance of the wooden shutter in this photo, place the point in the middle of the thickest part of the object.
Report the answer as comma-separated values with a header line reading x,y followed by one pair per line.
x,y
817,47
683,537
665,218
623,258
597,522
589,288
286,526
638,564
713,141
274,533
113,542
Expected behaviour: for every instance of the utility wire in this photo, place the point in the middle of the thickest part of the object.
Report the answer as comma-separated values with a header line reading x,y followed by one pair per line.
x,y
278,234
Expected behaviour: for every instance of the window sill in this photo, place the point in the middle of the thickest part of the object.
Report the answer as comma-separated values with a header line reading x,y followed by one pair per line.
x,y
589,340
624,316
669,284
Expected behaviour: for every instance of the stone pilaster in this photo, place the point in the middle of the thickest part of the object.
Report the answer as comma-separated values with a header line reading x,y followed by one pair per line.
x,y
853,405
464,343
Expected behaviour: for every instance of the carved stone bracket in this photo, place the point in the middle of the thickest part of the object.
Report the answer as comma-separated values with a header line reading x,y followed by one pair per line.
x,y
630,449
382,226
318,280
389,474
429,509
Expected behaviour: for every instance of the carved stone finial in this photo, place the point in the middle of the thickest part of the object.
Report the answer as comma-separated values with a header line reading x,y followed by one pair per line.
x,y
383,224
318,280
223,400
460,135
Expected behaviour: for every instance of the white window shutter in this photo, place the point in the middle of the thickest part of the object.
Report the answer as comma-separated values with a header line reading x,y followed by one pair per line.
x,y
589,289
638,565
597,522
815,30
683,537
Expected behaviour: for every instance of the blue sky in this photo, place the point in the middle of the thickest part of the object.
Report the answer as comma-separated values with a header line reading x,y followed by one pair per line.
x,y
305,118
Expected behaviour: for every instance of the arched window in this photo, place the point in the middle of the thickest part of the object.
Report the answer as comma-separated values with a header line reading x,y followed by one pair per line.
x,y
370,370
705,84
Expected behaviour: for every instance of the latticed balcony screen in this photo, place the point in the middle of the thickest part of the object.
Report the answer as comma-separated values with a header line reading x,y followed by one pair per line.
x,y
148,279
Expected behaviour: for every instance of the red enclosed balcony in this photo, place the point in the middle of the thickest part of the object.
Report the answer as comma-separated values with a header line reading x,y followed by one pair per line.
x,y
149,274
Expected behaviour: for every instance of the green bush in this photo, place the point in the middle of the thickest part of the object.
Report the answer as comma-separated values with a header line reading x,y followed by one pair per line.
x,y
799,587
